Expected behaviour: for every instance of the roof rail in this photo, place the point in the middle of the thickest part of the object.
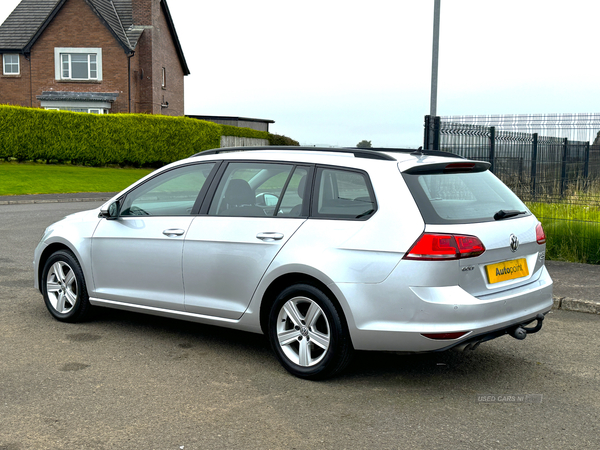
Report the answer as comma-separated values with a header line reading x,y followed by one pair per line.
x,y
357,152
368,153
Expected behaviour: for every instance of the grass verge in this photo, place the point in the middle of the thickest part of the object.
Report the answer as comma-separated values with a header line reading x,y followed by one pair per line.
x,y
30,178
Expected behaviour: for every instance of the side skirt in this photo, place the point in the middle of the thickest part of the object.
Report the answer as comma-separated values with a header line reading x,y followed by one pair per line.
x,y
180,315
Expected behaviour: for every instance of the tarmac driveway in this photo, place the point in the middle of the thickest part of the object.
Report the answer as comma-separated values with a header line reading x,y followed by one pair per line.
x,y
129,381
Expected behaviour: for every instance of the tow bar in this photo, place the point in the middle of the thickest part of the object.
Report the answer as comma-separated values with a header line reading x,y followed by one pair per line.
x,y
520,332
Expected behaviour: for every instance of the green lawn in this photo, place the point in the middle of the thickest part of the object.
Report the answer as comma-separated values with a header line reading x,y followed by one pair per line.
x,y
21,179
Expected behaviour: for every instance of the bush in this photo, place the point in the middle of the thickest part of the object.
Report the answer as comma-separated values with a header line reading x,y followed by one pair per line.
x,y
276,139
140,140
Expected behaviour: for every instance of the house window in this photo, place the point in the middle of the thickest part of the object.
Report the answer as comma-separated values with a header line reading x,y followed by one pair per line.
x,y
78,64
11,64
84,110
164,78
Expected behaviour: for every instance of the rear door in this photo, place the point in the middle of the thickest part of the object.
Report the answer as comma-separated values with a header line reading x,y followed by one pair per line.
x,y
255,210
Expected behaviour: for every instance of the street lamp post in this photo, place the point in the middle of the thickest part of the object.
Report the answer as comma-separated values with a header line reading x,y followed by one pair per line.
x,y
434,59
434,72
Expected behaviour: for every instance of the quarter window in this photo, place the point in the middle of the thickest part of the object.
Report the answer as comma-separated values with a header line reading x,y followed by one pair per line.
x,y
173,193
343,194
11,64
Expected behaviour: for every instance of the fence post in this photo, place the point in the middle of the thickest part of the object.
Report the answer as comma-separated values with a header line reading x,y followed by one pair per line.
x,y
437,126
431,139
534,150
492,152
563,174
586,166
427,134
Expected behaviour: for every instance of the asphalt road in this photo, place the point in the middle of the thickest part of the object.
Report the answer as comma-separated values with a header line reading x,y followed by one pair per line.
x,y
129,381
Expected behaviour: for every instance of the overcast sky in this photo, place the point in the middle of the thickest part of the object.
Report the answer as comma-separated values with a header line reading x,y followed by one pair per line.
x,y
333,72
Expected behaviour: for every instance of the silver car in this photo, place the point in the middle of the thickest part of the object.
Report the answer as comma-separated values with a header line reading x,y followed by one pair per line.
x,y
325,251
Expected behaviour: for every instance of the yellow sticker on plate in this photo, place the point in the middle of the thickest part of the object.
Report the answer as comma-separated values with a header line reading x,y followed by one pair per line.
x,y
507,270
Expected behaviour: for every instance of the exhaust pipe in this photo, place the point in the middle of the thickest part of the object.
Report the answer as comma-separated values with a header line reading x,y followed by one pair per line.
x,y
520,331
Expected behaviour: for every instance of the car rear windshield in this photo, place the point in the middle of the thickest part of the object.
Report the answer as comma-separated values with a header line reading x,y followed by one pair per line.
x,y
469,197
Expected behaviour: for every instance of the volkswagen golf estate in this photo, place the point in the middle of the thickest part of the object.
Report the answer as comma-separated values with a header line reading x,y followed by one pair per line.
x,y
325,251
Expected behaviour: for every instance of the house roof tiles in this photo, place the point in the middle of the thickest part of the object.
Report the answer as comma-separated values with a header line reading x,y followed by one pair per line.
x,y
24,22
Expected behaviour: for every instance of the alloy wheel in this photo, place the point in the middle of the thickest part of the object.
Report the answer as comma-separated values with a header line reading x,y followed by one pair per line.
x,y
303,331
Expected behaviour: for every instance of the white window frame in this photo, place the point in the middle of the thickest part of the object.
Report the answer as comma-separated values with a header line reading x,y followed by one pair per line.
x,y
58,63
5,63
91,107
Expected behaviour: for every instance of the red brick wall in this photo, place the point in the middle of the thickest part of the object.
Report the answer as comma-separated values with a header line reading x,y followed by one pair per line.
x,y
165,55
156,50
15,89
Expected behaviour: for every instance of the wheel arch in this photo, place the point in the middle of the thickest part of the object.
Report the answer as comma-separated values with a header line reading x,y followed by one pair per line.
x,y
46,253
289,279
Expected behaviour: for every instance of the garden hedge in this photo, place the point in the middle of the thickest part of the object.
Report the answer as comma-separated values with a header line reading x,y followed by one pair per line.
x,y
139,140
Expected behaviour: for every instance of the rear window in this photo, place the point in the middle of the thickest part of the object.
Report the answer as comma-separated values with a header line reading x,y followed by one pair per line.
x,y
462,197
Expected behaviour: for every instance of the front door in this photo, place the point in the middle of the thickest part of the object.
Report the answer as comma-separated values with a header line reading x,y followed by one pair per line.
x,y
137,257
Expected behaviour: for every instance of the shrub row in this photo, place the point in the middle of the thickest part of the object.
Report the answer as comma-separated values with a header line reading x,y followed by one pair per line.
x,y
139,140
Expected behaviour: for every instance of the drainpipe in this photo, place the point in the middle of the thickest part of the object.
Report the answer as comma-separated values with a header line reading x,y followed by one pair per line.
x,y
28,58
129,56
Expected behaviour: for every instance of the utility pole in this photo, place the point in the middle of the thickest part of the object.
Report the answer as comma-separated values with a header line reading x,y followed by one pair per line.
x,y
434,59
434,74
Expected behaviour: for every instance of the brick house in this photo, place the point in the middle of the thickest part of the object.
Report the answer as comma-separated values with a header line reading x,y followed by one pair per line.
x,y
97,56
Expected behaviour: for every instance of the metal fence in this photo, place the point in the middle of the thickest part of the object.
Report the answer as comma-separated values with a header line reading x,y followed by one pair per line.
x,y
558,178
575,126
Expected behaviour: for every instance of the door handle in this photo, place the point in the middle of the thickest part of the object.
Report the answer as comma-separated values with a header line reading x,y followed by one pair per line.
x,y
269,236
174,232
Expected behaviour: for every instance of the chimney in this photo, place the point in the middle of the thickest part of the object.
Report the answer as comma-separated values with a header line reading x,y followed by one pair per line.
x,y
142,11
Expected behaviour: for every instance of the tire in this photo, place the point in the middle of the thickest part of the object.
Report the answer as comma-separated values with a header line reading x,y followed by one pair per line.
x,y
64,289
307,333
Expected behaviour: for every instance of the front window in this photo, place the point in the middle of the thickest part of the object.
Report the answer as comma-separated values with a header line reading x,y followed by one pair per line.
x,y
11,64
78,64
172,193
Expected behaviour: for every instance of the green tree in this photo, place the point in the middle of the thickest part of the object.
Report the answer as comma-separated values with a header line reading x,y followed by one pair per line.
x,y
364,144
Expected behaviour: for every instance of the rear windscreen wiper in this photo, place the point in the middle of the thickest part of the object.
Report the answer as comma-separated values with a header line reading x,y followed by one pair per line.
x,y
502,214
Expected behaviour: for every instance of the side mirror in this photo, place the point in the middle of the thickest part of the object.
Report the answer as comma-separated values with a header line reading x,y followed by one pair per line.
x,y
110,213
266,199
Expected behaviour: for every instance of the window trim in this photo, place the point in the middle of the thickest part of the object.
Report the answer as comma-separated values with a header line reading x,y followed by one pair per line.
x,y
58,62
4,63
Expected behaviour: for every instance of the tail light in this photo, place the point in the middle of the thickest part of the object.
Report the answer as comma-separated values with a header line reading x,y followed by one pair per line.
x,y
540,236
434,247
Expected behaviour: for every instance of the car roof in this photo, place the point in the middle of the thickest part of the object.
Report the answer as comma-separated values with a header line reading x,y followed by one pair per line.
x,y
352,157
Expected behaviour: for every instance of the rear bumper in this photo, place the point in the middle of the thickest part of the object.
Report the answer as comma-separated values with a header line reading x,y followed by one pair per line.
x,y
393,319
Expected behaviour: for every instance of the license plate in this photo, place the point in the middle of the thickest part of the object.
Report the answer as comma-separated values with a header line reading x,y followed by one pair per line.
x,y
507,270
